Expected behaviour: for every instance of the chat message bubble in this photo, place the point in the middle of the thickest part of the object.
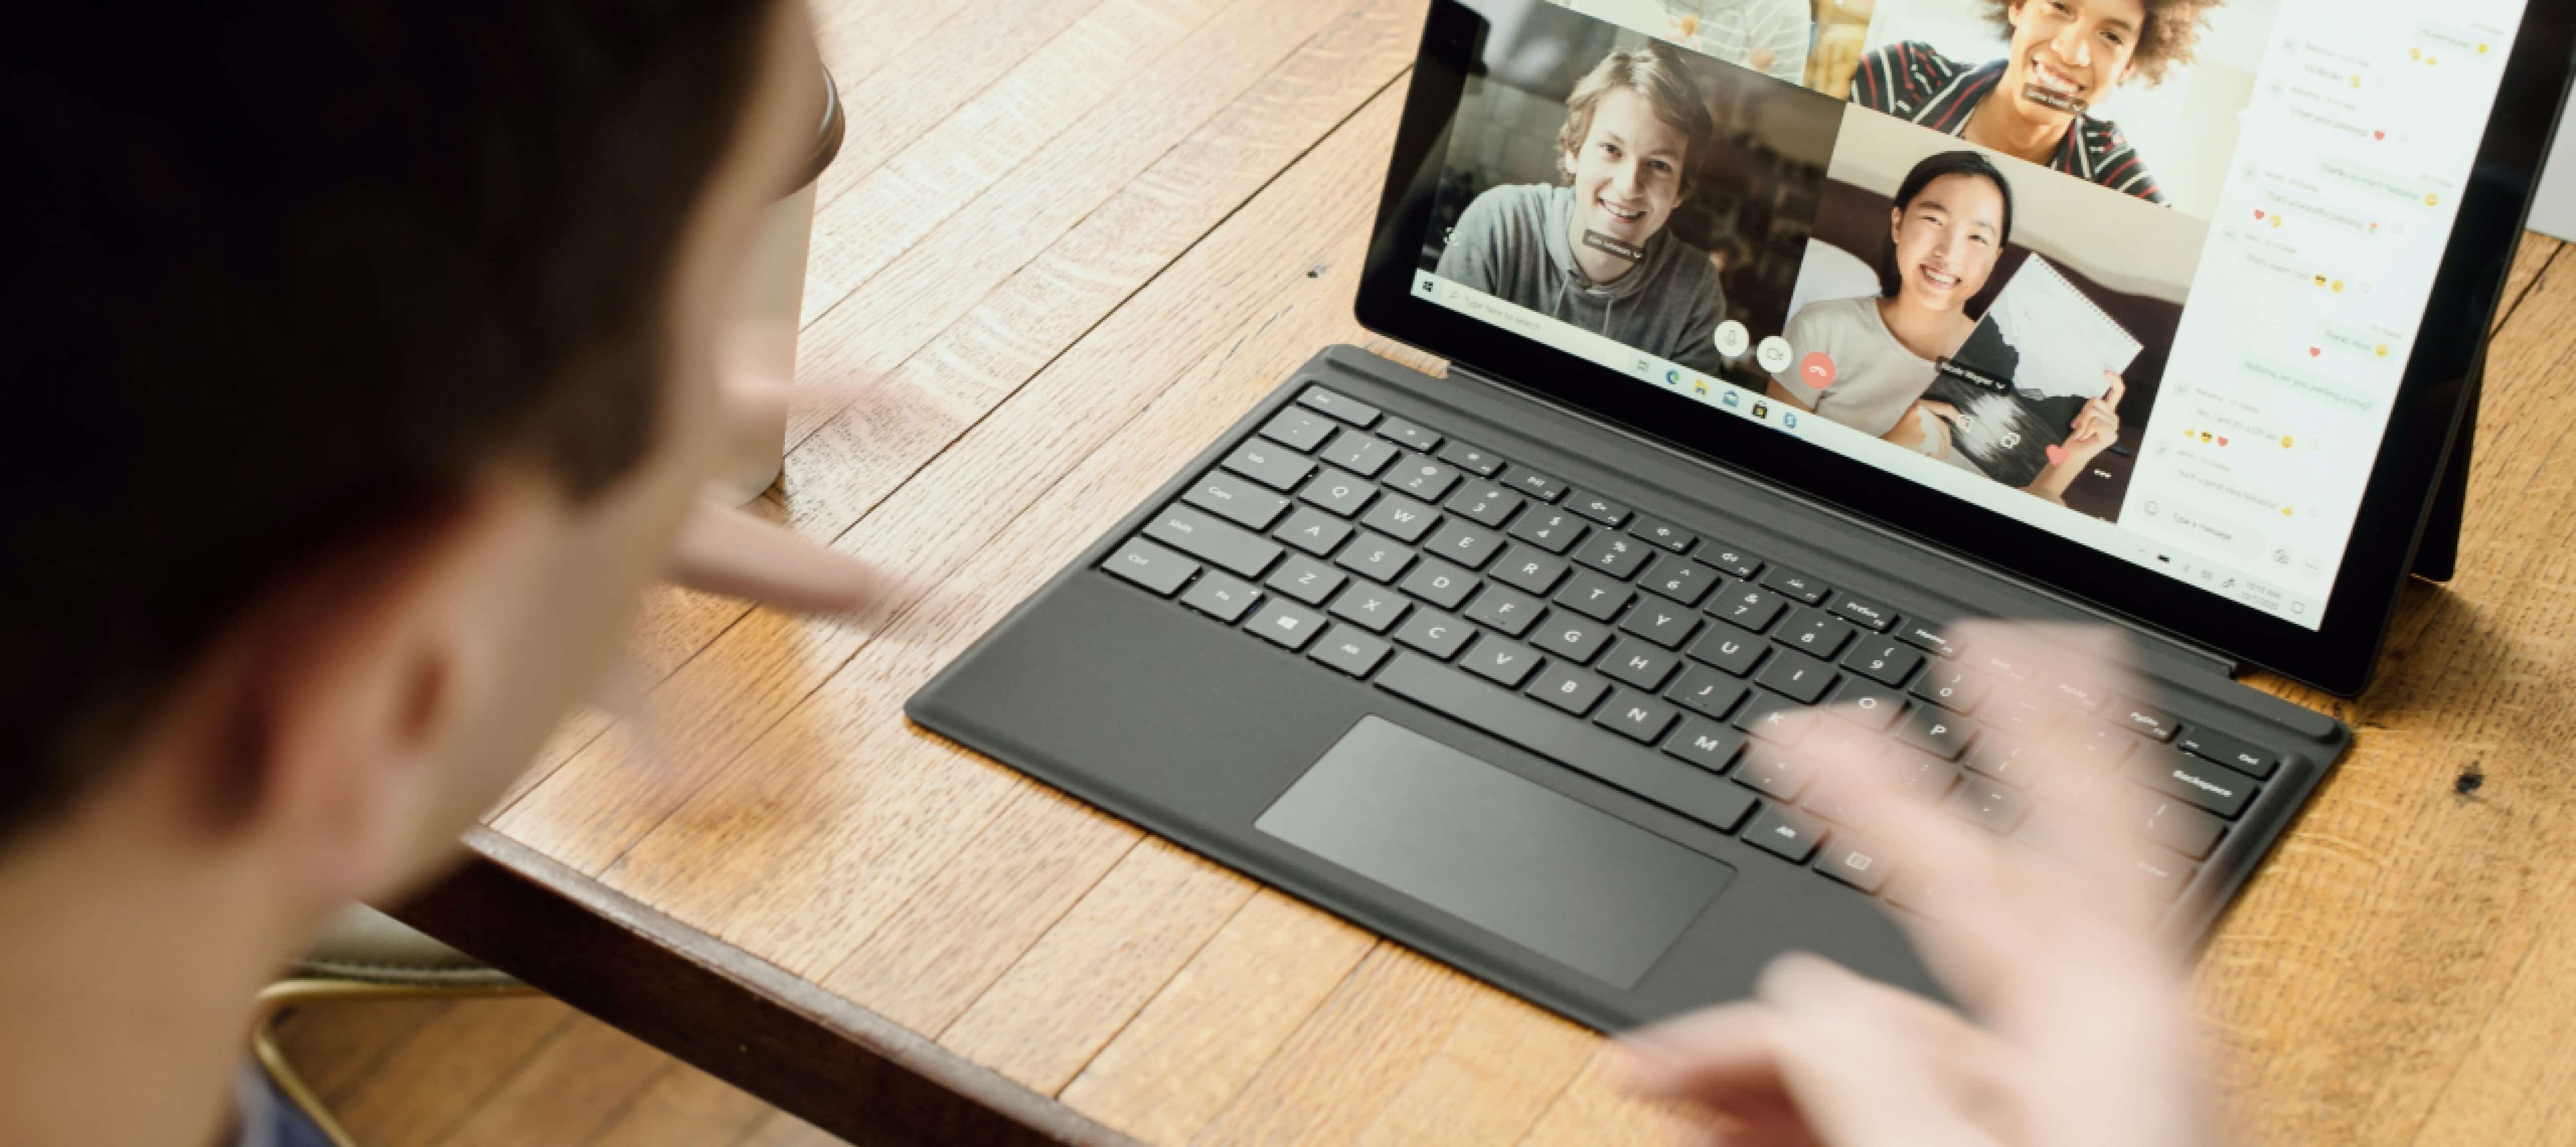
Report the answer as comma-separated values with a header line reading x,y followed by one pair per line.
x,y
2380,183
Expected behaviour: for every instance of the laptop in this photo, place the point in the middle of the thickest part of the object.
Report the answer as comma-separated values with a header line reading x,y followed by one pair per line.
x,y
1499,664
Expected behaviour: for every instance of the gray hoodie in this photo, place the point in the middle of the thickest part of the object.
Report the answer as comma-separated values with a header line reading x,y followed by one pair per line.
x,y
1511,243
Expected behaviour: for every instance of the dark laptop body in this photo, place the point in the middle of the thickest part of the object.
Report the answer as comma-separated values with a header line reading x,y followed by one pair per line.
x,y
1590,883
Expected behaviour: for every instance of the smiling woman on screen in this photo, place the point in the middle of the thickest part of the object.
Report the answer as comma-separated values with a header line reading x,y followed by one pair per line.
x,y
2067,58
1593,250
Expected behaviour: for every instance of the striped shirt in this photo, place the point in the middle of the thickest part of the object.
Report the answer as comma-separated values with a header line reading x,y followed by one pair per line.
x,y
1913,82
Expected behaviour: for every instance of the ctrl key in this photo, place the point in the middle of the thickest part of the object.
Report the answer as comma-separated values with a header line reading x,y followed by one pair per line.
x,y
1286,626
1151,566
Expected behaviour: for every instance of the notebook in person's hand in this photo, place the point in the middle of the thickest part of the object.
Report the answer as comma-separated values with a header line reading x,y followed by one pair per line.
x,y
2027,370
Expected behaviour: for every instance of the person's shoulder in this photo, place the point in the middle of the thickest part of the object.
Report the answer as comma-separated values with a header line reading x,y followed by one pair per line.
x,y
1515,202
1827,319
2116,163
1901,70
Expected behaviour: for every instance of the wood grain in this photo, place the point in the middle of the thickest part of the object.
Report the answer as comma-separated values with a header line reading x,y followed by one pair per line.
x,y
1163,208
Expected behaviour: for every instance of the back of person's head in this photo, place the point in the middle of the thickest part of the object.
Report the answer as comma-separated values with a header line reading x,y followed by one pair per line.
x,y
284,275
1932,169
1654,72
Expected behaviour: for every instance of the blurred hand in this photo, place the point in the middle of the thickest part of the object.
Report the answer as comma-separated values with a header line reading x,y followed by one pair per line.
x,y
723,550
2076,1030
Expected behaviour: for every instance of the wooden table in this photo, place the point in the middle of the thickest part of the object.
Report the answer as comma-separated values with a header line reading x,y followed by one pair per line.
x,y
1067,243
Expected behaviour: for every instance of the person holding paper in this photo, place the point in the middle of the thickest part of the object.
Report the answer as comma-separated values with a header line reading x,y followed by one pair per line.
x,y
1867,362
2066,58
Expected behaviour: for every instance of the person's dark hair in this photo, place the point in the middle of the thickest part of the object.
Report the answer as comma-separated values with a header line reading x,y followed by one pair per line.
x,y
282,274
2171,38
1947,163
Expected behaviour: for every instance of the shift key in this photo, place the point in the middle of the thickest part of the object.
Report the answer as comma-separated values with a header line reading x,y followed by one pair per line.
x,y
1698,795
1201,536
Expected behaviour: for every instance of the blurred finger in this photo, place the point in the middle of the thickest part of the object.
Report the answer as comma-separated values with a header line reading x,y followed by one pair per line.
x,y
1845,1064
727,552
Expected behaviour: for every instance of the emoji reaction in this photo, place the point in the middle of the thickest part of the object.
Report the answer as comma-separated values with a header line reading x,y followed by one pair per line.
x,y
2285,442
2383,350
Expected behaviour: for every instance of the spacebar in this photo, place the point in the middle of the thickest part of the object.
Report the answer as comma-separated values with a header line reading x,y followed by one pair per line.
x,y
1672,784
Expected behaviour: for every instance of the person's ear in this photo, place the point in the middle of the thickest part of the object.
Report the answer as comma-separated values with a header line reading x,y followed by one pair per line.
x,y
1895,222
340,688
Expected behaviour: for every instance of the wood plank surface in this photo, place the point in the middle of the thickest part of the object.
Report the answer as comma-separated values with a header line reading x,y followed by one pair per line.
x,y
1072,241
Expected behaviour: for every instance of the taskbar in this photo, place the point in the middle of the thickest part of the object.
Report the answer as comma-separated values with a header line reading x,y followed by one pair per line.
x,y
2180,563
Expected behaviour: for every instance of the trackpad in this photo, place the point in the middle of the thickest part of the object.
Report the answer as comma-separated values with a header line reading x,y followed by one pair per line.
x,y
1557,876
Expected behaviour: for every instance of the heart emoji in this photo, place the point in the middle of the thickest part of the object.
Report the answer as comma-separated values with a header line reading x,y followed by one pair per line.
x,y
2314,352
2379,135
2056,454
2222,440
2258,212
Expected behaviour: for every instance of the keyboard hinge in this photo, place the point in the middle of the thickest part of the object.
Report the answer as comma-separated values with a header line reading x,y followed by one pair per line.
x,y
2224,665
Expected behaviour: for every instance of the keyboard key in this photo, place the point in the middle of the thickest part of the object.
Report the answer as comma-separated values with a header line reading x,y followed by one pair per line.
x,y
1797,585
1343,407
1797,676
1637,716
1594,596
1468,545
1351,652
2176,825
1926,778
1855,862
1636,663
2105,746
1731,561
1927,639
1439,583
1221,597
1664,534
1708,691
1412,436
1270,464
2009,760
1526,569
1574,638
1435,633
1746,608
1484,503
1785,832
1730,651
1306,579
2076,695
1661,622
1861,611
1953,687
1597,508
2161,878
1568,688
1687,582
1555,531
1422,478
1313,531
2010,668
1359,453
2025,717
1773,771
2228,751
1706,743
1297,430
1772,717
1916,892
1236,500
1814,633
1370,607
2148,721
1506,610
1936,732
1867,704
1535,484
1201,536
1375,558
1656,778
1150,566
1343,494
1617,555
1887,662
1401,518
1989,804
1500,661
2219,789
1471,459
1286,625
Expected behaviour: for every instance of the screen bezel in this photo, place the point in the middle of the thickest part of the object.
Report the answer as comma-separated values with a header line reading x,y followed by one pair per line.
x,y
2338,657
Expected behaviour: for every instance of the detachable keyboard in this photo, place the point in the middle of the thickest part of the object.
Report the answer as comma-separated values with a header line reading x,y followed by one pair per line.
x,y
1654,658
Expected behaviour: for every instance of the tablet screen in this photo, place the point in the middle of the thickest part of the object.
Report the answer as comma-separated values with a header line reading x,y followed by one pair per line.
x,y
2145,274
